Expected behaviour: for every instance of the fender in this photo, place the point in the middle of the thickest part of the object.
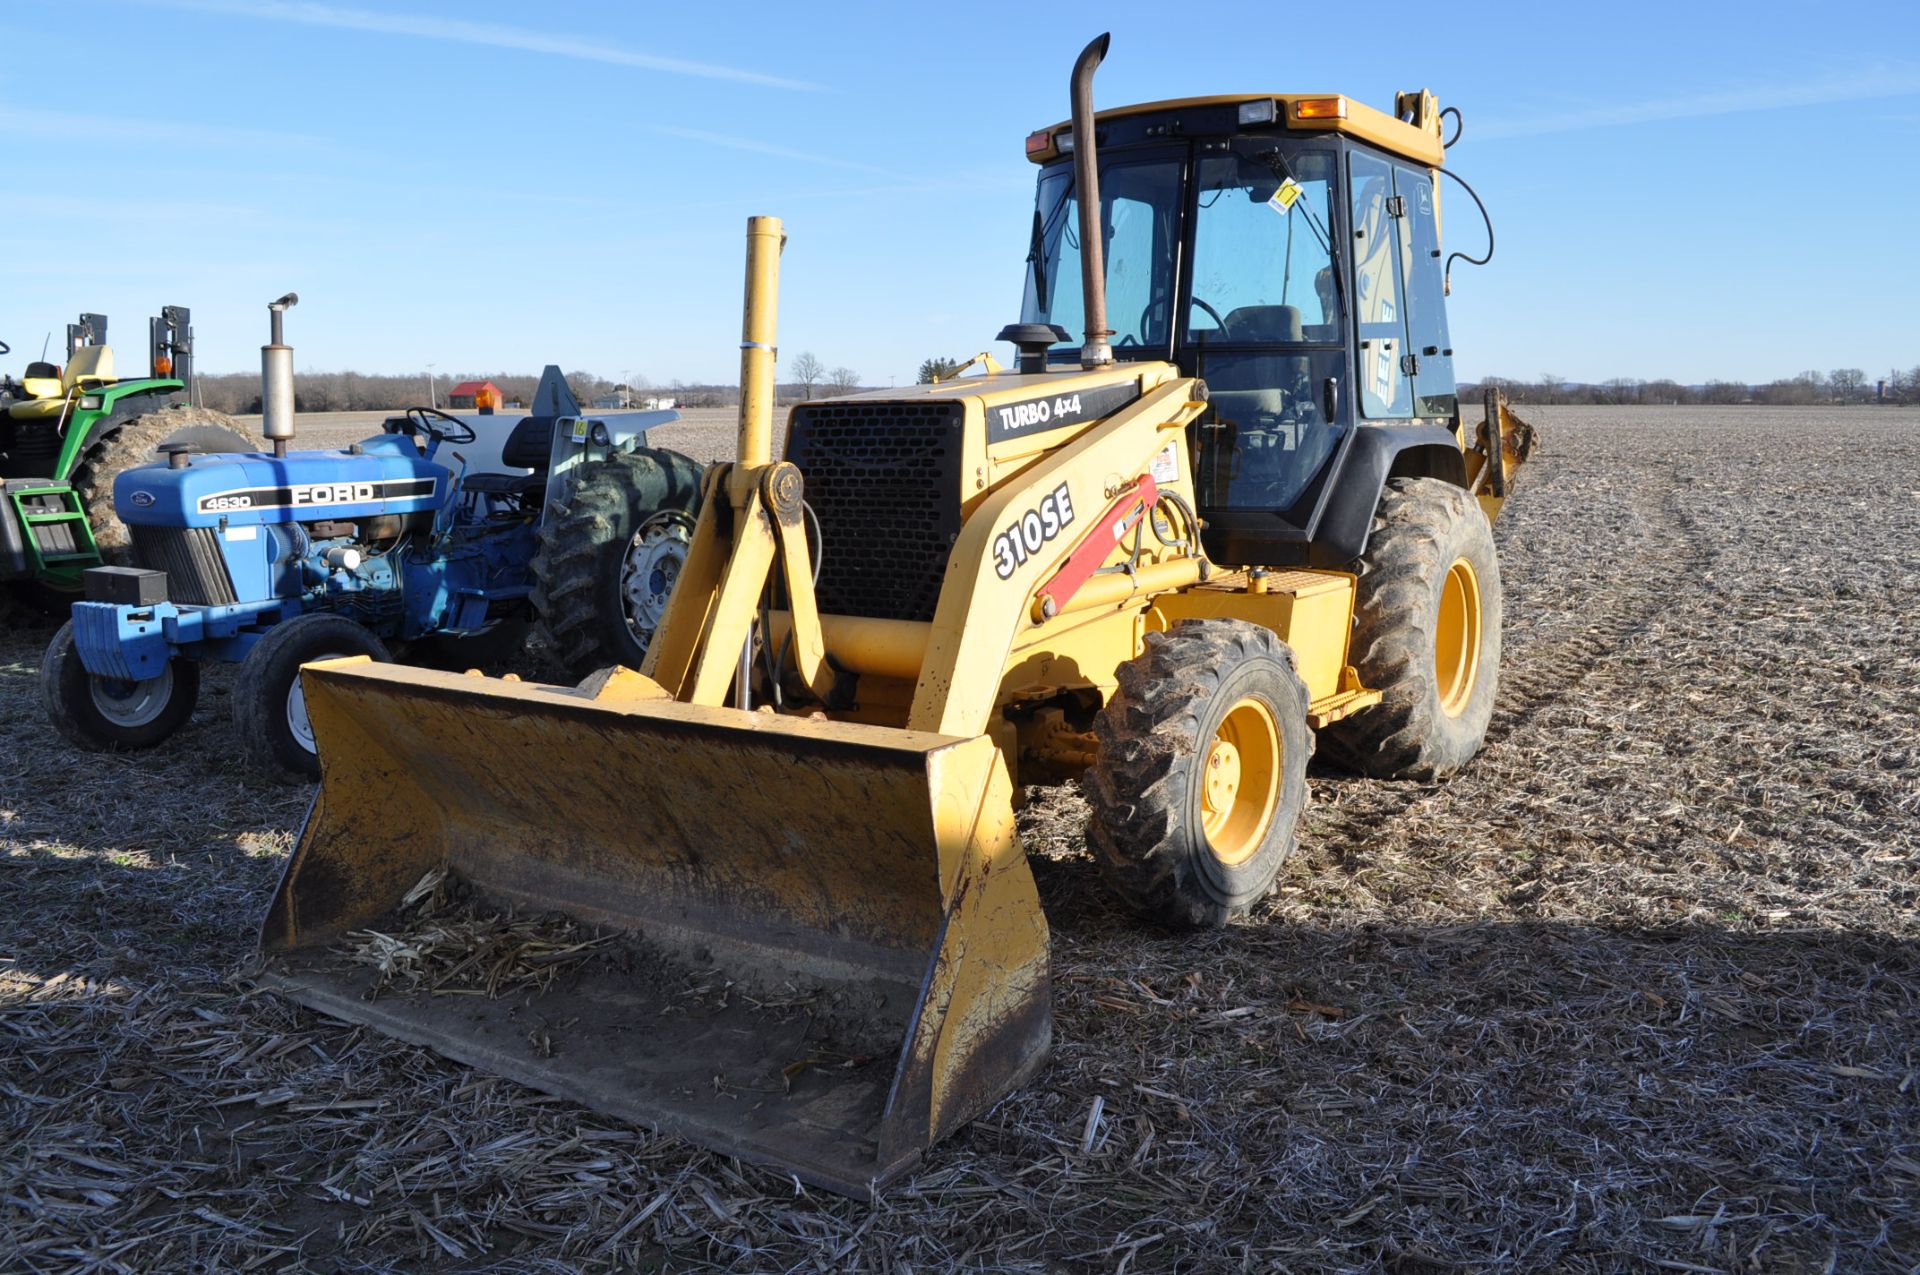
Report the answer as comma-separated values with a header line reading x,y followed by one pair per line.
x,y
1379,452
119,404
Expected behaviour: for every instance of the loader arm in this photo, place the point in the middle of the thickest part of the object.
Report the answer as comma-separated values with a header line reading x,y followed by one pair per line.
x,y
981,611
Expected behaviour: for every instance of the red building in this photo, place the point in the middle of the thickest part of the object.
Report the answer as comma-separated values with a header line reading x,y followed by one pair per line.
x,y
474,395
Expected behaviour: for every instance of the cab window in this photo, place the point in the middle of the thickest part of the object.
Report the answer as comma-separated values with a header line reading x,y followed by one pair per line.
x,y
1379,298
1139,214
1434,392
1262,258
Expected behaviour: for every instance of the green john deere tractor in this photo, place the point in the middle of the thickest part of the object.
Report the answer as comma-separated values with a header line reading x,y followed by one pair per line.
x,y
66,432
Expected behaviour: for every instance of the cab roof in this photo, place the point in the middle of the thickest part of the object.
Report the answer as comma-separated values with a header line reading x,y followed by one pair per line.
x,y
1297,112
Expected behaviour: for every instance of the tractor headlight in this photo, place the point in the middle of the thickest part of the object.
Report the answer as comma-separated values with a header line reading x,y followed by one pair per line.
x,y
1260,112
599,434
90,403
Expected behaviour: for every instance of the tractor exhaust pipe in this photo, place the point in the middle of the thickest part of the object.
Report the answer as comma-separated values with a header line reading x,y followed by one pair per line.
x,y
276,378
1086,180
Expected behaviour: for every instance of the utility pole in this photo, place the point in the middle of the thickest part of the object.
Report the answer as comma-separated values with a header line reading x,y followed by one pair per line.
x,y
431,400
626,388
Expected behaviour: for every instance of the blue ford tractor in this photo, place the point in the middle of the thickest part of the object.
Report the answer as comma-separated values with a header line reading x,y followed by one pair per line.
x,y
441,529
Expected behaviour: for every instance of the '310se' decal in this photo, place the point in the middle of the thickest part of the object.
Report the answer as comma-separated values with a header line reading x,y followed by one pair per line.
x,y
1032,529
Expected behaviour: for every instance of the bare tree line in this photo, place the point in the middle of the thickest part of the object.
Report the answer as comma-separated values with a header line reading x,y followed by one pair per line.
x,y
238,393
1840,386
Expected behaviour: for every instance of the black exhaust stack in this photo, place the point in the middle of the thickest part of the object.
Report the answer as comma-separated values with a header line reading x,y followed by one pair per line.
x,y
1086,179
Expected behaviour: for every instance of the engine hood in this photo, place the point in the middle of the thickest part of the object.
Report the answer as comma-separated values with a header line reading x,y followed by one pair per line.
x,y
387,476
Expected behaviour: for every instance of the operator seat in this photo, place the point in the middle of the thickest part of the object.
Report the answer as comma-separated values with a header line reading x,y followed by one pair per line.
x,y
90,367
1263,323
1276,374
529,446
1256,424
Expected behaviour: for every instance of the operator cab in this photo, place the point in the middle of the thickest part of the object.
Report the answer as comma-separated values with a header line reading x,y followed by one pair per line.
x,y
1285,250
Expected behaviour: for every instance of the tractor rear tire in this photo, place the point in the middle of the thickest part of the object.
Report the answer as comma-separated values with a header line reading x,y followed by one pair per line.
x,y
609,552
137,440
1202,772
269,705
105,715
1426,635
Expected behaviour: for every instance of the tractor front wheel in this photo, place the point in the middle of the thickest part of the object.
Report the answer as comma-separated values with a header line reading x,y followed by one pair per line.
x,y
269,701
109,714
1202,772
1426,635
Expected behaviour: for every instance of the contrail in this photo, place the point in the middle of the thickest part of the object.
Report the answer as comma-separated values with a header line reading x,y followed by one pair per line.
x,y
766,148
460,31
1877,83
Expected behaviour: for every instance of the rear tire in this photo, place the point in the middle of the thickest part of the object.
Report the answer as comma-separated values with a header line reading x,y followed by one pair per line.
x,y
269,706
1427,616
1202,772
104,715
609,552
137,441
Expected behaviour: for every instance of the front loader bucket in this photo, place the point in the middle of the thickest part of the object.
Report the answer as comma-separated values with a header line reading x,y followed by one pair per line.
x,y
829,952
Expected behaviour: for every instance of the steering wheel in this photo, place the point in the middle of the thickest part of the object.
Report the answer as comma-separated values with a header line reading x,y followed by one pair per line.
x,y
1212,314
5,348
422,419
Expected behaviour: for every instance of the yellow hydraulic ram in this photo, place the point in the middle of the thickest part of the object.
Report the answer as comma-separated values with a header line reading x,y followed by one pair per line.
x,y
832,950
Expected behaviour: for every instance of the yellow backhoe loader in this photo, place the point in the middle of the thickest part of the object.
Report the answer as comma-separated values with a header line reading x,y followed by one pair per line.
x,y
1246,512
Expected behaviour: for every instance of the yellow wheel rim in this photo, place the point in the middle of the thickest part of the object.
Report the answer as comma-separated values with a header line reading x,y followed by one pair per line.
x,y
1241,783
1456,639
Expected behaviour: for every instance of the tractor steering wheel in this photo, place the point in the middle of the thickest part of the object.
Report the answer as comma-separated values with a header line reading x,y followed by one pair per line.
x,y
422,419
1212,314
5,348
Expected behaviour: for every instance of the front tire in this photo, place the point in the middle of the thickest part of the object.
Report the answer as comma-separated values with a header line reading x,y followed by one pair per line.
x,y
269,703
1202,772
609,553
137,441
103,714
1427,615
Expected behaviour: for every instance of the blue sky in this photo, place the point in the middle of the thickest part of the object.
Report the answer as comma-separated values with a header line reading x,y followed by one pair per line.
x,y
1685,190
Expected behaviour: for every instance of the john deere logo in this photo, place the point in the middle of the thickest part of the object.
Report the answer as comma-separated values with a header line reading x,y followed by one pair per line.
x,y
142,499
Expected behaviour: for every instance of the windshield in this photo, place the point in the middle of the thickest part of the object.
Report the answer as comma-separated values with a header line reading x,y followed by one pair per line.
x,y
1140,214
1263,267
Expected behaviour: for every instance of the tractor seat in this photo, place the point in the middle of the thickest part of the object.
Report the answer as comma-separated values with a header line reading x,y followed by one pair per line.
x,y
42,380
527,447
1265,323
530,445
42,406
90,367
1247,407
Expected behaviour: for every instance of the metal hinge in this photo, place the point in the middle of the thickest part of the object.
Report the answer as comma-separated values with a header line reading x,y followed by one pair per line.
x,y
1396,205
1410,364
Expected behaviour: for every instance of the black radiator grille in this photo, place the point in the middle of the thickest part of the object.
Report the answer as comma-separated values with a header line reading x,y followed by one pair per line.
x,y
884,479
196,570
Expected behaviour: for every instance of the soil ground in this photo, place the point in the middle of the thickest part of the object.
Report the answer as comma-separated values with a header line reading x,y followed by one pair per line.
x,y
1638,990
